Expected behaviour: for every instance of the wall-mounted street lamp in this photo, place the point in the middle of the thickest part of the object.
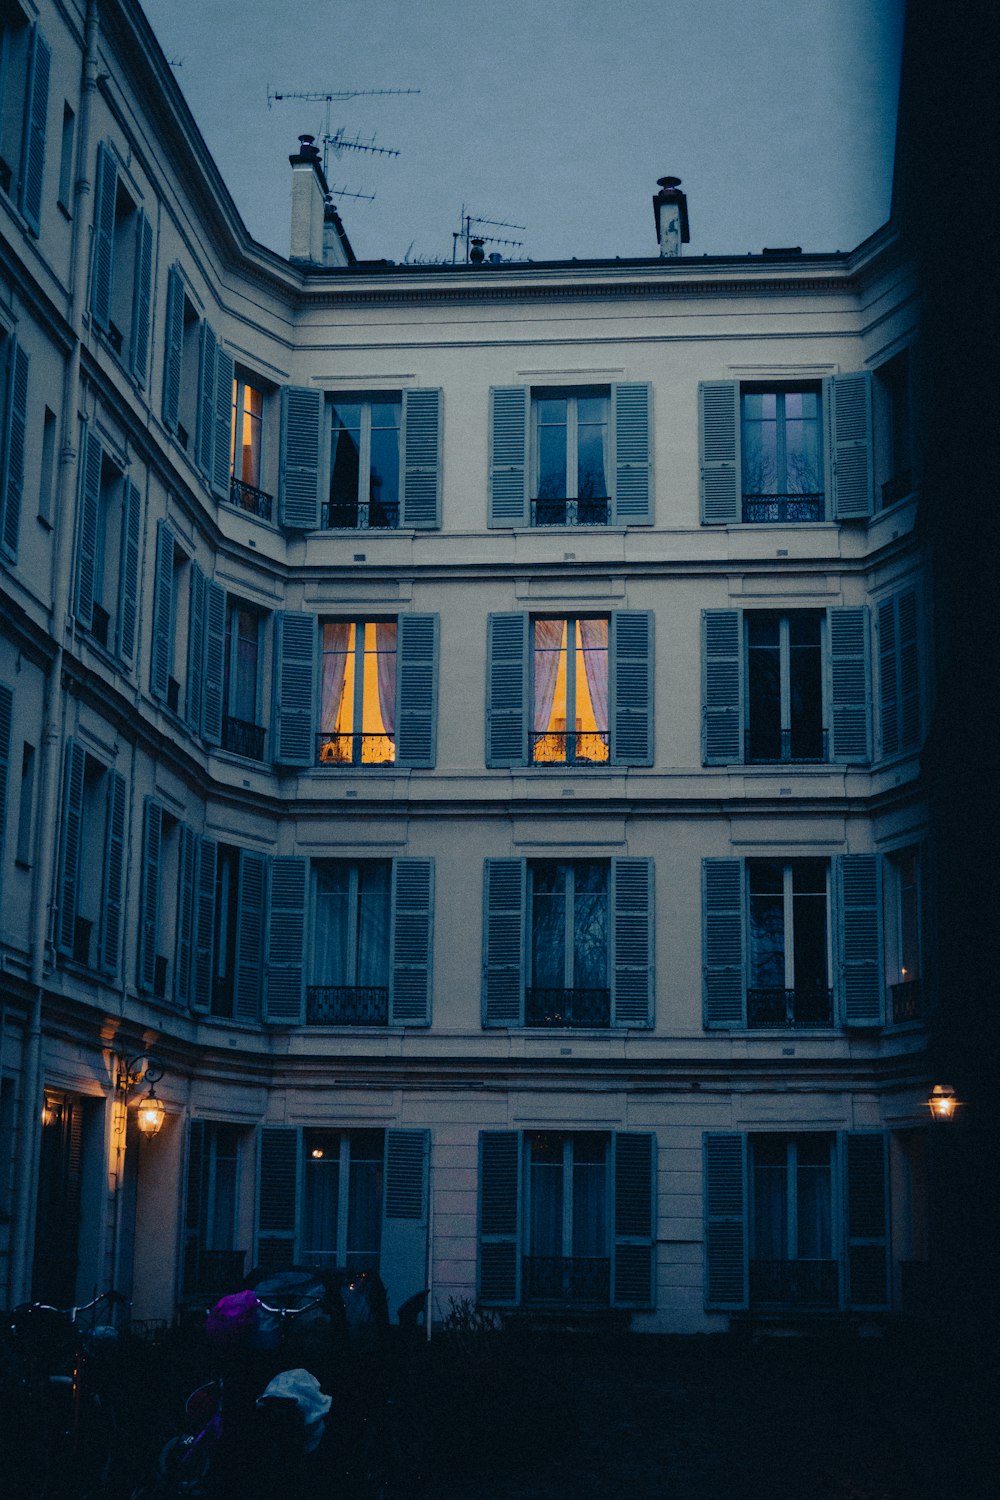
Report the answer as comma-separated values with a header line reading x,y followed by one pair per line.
x,y
942,1102
130,1074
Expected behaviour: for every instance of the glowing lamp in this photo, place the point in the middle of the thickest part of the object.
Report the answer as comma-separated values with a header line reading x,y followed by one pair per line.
x,y
942,1102
149,1115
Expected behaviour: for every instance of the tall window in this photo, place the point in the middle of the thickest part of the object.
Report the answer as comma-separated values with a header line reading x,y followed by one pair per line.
x,y
342,1199
358,693
364,464
791,1232
570,459
227,887
789,943
570,688
782,455
568,980
241,731
248,415
893,443
351,943
567,1252
785,687
211,1259
902,931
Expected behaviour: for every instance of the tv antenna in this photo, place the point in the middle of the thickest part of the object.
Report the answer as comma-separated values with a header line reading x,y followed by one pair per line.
x,y
468,234
336,141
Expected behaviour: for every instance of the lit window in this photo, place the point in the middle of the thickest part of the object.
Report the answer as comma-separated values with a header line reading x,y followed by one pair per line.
x,y
364,464
570,460
342,1199
782,455
570,691
245,449
788,943
358,693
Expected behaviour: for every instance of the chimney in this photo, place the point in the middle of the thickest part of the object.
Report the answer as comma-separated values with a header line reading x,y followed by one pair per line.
x,y
671,211
309,193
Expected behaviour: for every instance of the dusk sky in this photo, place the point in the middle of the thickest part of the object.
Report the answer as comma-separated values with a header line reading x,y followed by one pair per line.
x,y
556,114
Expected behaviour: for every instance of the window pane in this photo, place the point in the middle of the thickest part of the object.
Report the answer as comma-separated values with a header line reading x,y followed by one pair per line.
x,y
384,478
548,925
802,467
549,688
379,693
243,685
545,1229
373,923
337,690
550,418
814,1181
809,926
364,1210
592,438
909,918
763,688
767,924
321,1191
331,939
590,927
770,1202
591,681
590,1230
760,444
345,459
805,687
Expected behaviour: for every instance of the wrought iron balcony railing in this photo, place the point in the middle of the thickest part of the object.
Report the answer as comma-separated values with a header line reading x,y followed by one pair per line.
x,y
556,1007
248,497
242,738
355,749
580,1280
213,1272
364,515
907,1001
592,511
804,1006
803,747
347,1005
784,509
571,747
793,1283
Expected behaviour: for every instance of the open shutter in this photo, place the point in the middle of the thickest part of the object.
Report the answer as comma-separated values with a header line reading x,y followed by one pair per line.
x,y
184,957
405,1202
249,961
277,1197
410,942
508,493
719,452
294,688
88,527
507,690
215,658
69,849
284,984
6,730
416,690
421,443
12,439
722,687
35,116
128,582
149,893
724,989
205,430
222,466
632,927
849,443
633,463
899,672
173,349
850,686
860,933
499,1261
160,659
114,867
196,651
725,1220
867,1215
301,444
504,891
204,951
142,291
105,193
631,707
633,1276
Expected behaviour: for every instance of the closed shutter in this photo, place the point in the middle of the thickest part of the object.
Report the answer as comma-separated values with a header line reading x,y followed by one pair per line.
x,y
631,708
860,935
504,882
416,707
6,730
70,851
205,429
149,893
722,686
725,1220
301,444
633,465
173,350
204,950
633,1275
277,1197
410,942
508,493
114,872
249,961
719,450
633,936
222,466
194,1196
405,1205
36,112
88,527
848,402
724,988
421,443
867,1214
196,651
507,690
187,874
294,688
214,660
499,1259
850,686
12,440
899,672
284,991
161,656
128,583
105,193
142,291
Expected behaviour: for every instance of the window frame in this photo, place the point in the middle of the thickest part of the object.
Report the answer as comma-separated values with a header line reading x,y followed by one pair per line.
x,y
820,498
572,396
346,1140
363,503
787,864
784,618
575,651
356,656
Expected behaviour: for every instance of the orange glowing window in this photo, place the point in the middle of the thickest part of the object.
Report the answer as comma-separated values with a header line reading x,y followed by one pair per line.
x,y
358,693
245,453
570,692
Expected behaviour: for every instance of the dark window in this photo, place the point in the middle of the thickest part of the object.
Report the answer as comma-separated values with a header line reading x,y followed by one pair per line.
x,y
66,145
568,982
782,460
242,732
26,805
570,691
364,463
567,1254
904,957
48,471
893,442
227,885
570,438
788,942
791,1232
15,54
350,970
784,687
342,1199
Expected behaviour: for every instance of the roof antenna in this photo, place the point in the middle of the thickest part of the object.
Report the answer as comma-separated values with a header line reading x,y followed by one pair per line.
x,y
472,241
337,140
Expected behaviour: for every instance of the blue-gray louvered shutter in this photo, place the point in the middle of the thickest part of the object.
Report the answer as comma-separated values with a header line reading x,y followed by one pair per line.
x,y
499,1262
113,890
173,349
405,1215
215,660
410,942
105,193
301,444
860,932
248,965
421,443
196,651
285,978
149,893
186,877
6,730
128,582
867,1215
719,449
725,1190
35,117
508,493
142,292
724,986
277,1197
12,440
633,460
205,422
161,655
722,687
204,945
850,686
899,672
504,894
294,712
88,526
507,690
631,699
70,850
633,937
222,466
633,1272
849,428
416,690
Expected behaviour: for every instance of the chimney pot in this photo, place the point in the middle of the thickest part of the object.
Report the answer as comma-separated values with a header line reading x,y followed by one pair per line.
x,y
670,211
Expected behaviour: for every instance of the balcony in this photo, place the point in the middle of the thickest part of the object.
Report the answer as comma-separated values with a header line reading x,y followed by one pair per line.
x,y
582,1281
355,749
571,747
783,509
555,1007
365,515
242,738
346,1005
212,1273
248,497
593,511
907,999
804,1006
793,1283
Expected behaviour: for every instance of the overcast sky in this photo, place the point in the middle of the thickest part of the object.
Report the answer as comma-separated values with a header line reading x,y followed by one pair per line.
x,y
556,114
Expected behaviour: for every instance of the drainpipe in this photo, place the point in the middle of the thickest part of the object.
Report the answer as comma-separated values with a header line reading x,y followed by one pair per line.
x,y
52,728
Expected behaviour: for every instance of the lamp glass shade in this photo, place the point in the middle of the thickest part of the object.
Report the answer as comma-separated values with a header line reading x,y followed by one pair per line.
x,y
149,1116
